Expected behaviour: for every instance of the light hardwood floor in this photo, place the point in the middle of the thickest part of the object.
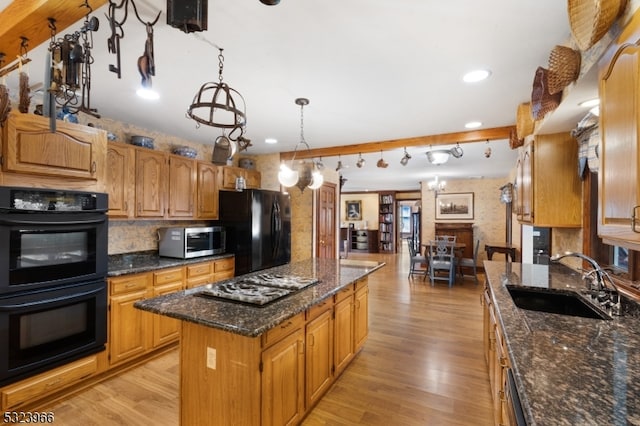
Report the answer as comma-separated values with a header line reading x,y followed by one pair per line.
x,y
421,365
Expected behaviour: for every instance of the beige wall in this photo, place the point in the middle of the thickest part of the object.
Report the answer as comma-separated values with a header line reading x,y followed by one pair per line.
x,y
489,217
369,210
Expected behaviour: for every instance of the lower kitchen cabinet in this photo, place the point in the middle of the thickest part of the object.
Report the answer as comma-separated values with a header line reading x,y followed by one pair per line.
x,y
166,330
129,327
45,384
498,360
283,381
276,378
361,314
343,342
319,351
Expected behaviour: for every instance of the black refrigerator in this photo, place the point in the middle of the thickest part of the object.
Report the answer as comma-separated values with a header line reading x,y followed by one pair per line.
x,y
258,228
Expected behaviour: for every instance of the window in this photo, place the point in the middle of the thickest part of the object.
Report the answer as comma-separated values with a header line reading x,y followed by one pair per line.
x,y
405,218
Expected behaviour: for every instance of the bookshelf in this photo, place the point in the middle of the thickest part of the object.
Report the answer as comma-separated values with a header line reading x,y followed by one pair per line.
x,y
387,222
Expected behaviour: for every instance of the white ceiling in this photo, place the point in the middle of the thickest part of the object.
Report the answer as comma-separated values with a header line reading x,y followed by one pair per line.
x,y
373,70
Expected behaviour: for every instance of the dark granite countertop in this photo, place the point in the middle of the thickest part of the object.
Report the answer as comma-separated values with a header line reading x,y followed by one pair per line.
x,y
568,370
252,321
145,261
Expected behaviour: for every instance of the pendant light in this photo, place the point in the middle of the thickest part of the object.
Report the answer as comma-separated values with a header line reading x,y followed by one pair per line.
x,y
304,174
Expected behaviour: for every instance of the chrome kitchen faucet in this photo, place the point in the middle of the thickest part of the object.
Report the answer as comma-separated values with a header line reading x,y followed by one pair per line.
x,y
597,278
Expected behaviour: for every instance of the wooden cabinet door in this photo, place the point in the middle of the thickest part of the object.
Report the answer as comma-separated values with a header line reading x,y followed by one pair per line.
x,y
361,317
120,179
253,179
343,348
207,189
182,186
229,175
283,381
129,327
150,183
73,151
525,198
319,356
618,177
165,329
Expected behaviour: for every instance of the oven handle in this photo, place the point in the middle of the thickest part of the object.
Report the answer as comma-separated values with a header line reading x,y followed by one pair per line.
x,y
41,222
55,299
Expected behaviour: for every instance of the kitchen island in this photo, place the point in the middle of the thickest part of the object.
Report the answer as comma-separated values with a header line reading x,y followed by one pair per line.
x,y
567,370
267,365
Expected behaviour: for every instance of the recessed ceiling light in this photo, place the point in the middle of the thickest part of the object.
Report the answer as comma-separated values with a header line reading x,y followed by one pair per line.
x,y
271,140
473,124
590,103
476,75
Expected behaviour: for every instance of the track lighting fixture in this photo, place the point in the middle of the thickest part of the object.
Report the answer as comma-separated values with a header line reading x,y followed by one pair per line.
x,y
405,159
441,156
381,163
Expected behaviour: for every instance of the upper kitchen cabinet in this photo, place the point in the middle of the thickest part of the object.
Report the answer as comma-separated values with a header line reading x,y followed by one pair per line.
x,y
619,174
548,188
229,175
150,193
144,183
182,186
120,183
73,151
207,192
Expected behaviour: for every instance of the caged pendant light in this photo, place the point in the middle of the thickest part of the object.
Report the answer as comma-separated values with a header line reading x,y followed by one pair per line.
x,y
218,105
305,174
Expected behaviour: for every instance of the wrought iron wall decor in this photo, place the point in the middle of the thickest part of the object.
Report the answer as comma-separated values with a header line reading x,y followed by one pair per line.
x,y
146,62
70,63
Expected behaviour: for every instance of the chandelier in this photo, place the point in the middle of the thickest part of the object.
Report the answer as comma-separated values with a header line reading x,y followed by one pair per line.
x,y
305,174
441,156
218,105
436,185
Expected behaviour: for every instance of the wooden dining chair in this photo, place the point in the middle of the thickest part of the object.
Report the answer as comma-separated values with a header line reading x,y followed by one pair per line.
x,y
416,260
442,261
470,263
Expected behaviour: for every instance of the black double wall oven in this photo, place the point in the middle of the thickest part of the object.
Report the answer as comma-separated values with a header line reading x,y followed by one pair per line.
x,y
53,270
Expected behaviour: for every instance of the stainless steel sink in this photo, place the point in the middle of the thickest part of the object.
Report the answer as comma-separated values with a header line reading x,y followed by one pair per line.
x,y
555,302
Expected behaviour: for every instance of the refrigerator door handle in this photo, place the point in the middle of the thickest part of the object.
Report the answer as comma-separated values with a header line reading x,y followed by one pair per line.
x,y
276,226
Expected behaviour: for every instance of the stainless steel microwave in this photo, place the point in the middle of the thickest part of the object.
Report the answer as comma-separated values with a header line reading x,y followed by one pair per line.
x,y
188,242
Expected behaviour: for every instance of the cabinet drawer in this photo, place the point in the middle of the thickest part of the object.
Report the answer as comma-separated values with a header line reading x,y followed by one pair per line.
x,y
224,264
321,307
48,382
198,281
168,276
344,293
287,327
129,283
199,270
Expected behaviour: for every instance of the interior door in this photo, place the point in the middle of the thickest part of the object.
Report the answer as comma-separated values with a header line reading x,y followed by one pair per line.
x,y
326,222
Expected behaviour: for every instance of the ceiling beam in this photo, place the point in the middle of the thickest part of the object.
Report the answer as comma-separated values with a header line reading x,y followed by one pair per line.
x,y
443,139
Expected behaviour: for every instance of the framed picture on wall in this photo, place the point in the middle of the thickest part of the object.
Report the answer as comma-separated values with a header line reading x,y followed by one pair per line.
x,y
354,210
454,206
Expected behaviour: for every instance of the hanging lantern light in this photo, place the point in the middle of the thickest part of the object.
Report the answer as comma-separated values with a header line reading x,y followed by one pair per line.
x,y
218,105
305,174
